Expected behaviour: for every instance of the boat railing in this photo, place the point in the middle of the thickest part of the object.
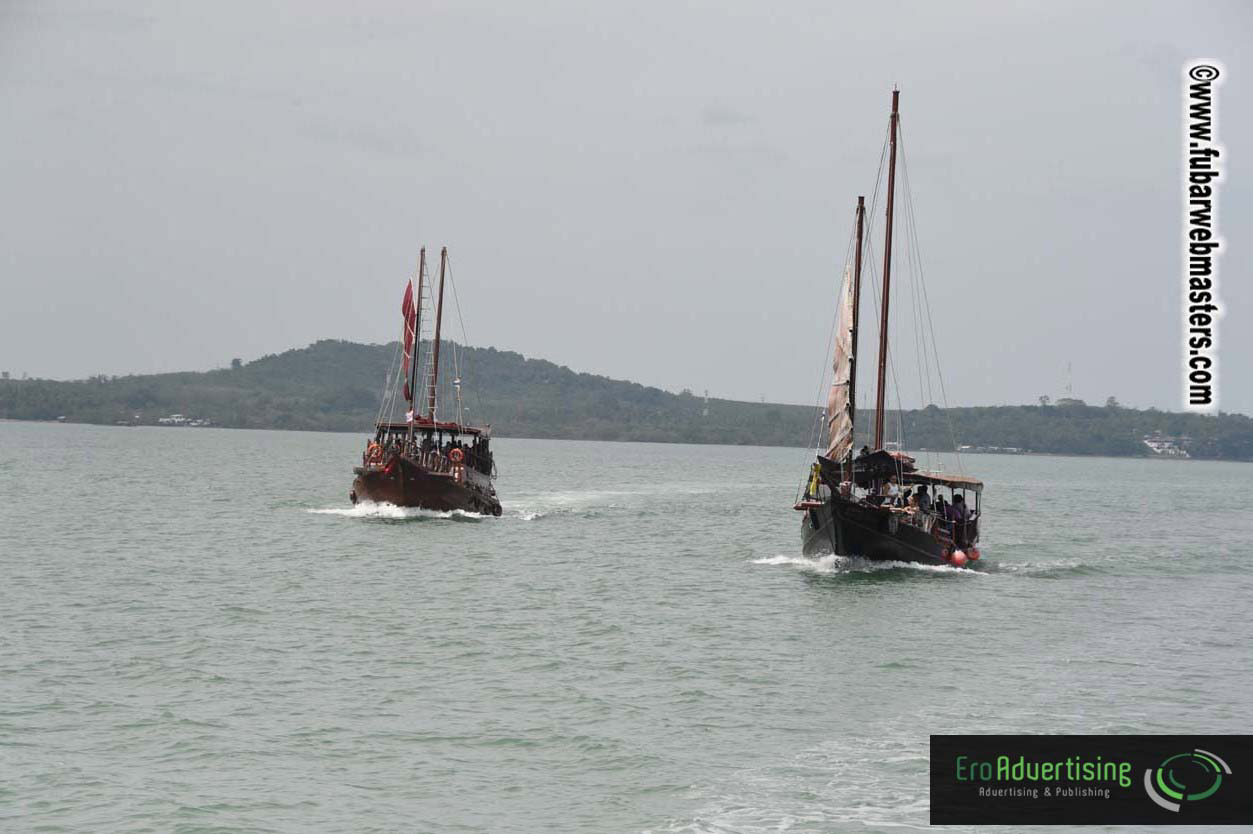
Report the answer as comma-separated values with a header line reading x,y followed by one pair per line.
x,y
433,461
969,531
958,532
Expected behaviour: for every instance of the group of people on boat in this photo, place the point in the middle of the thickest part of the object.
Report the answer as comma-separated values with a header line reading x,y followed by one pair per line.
x,y
915,505
919,499
434,454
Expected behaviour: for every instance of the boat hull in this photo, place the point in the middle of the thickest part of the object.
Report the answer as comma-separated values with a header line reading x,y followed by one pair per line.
x,y
406,484
876,533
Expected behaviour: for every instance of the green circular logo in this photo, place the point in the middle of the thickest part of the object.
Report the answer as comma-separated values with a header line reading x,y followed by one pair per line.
x,y
1185,777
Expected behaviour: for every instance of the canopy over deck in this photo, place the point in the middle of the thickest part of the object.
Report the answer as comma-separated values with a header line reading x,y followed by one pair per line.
x,y
943,479
876,467
426,424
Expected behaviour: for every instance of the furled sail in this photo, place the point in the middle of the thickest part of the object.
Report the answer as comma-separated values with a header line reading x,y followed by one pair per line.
x,y
839,407
410,312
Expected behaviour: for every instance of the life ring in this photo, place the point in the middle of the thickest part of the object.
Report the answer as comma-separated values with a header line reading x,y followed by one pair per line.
x,y
456,455
373,453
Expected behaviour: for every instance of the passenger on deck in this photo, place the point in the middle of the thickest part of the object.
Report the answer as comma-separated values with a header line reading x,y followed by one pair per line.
x,y
960,513
906,499
917,515
890,491
960,516
924,499
941,509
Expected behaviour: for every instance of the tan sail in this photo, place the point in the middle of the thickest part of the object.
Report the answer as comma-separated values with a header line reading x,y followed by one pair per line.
x,y
839,407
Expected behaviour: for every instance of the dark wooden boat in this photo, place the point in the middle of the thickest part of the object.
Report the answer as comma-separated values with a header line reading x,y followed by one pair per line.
x,y
849,523
423,461
849,503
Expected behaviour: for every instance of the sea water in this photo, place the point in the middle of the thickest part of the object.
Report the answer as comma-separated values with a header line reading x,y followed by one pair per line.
x,y
201,634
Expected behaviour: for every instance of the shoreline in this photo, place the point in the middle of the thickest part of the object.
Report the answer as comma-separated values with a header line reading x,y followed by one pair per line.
x,y
914,452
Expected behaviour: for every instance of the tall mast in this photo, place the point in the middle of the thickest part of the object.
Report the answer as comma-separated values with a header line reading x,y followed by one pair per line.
x,y
417,337
887,275
852,366
439,317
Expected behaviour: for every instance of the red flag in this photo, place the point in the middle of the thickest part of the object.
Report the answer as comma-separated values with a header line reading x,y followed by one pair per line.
x,y
410,313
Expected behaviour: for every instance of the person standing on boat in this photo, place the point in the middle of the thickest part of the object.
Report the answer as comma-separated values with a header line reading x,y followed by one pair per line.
x,y
959,515
924,498
891,492
959,508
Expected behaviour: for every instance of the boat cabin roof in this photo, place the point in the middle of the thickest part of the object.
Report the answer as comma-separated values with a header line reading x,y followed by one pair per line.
x,y
943,479
877,466
422,424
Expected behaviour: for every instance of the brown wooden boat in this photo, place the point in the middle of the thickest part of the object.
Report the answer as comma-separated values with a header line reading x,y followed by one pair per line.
x,y
423,461
848,501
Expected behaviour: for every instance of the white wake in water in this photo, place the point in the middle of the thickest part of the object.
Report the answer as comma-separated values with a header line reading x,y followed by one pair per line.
x,y
589,503
532,506
367,509
830,565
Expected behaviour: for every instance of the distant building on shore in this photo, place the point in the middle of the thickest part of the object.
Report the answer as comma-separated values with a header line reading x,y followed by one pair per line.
x,y
994,450
183,420
1165,446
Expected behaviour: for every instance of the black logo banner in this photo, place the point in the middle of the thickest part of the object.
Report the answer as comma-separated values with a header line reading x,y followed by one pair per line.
x,y
1091,780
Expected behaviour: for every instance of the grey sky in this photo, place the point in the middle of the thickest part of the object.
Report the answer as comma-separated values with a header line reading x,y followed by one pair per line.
x,y
660,192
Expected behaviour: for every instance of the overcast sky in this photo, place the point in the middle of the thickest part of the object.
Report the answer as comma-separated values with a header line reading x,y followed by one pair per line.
x,y
660,192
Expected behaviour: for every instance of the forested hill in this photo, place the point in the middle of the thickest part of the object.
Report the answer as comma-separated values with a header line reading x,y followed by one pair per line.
x,y
335,386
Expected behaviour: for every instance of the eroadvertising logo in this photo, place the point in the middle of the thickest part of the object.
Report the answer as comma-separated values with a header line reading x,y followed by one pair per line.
x,y
1193,776
1091,780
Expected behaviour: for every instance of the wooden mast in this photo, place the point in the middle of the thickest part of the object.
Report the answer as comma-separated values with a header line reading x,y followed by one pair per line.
x,y
417,338
852,364
439,317
887,276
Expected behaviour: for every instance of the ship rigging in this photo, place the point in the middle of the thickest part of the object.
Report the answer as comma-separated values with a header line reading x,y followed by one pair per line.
x,y
877,503
426,460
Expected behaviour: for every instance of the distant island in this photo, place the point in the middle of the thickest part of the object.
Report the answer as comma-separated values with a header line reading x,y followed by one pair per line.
x,y
335,385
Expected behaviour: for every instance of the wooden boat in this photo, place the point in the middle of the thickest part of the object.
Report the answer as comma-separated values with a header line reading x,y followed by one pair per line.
x,y
423,461
846,502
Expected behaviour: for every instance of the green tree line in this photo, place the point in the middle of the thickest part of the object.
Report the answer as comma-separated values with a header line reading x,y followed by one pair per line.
x,y
336,386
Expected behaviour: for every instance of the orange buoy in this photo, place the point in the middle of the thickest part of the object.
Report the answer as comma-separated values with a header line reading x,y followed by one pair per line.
x,y
959,559
973,554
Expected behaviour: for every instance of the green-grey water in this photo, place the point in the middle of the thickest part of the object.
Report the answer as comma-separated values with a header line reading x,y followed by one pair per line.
x,y
201,635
